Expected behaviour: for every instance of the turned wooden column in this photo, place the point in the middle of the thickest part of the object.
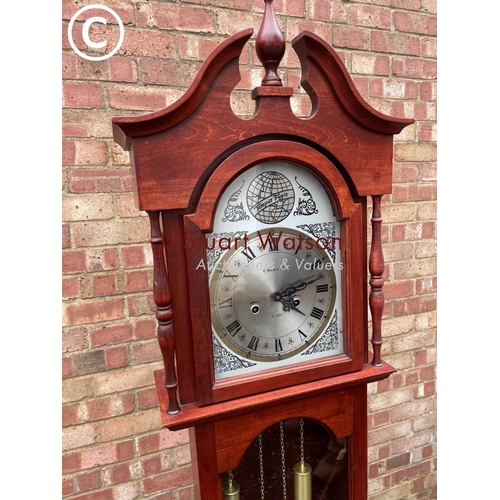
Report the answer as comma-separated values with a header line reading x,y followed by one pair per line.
x,y
376,267
164,314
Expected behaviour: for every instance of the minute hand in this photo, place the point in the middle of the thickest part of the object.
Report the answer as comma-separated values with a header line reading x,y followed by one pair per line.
x,y
290,290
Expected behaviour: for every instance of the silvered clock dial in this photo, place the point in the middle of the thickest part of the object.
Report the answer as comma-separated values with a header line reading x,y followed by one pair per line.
x,y
275,272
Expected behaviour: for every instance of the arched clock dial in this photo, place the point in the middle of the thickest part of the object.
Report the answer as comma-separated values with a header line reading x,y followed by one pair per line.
x,y
273,296
275,271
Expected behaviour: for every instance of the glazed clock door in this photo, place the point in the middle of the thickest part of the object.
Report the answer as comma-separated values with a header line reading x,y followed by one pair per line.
x,y
274,272
273,267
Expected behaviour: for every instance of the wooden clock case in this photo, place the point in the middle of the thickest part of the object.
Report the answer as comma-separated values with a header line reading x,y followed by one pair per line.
x,y
182,158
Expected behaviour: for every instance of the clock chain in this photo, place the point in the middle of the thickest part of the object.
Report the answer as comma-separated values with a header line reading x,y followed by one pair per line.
x,y
231,488
302,472
283,466
261,464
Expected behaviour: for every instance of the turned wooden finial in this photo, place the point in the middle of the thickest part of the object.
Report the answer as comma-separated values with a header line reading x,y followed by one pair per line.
x,y
270,46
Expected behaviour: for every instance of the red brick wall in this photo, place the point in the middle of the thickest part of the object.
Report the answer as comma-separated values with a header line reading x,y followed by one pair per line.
x,y
113,443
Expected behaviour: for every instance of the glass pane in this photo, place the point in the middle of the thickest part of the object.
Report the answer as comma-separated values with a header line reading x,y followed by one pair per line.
x,y
326,456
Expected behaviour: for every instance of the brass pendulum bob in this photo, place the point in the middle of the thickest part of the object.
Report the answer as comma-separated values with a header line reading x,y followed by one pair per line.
x,y
302,473
231,489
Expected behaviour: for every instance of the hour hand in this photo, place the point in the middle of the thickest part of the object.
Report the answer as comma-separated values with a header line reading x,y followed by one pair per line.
x,y
288,303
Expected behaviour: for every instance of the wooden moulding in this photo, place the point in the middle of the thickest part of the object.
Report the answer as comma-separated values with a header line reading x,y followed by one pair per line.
x,y
193,414
176,149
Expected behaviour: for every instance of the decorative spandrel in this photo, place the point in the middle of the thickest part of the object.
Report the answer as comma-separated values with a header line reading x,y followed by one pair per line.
x,y
297,458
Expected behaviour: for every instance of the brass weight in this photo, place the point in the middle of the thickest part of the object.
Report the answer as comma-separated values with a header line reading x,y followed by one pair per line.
x,y
302,481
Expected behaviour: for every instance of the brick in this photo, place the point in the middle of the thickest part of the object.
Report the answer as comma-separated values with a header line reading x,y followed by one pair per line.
x,y
117,474
113,406
70,415
70,288
414,269
230,22
66,236
88,480
88,362
71,462
148,43
412,341
326,10
397,493
372,17
73,261
294,27
410,67
139,281
428,91
111,334
393,89
140,305
116,357
426,285
97,456
178,477
129,425
415,23
123,69
398,251
151,465
93,311
68,487
195,48
88,153
411,409
82,95
395,43
172,17
124,9
183,456
425,249
353,38
101,259
93,70
67,367
415,152
97,180
147,398
69,66
76,390
398,289
124,450
146,352
389,432
427,132
113,232
137,98
104,284
145,328
168,72
77,208
124,380
78,436
133,256
370,64
398,461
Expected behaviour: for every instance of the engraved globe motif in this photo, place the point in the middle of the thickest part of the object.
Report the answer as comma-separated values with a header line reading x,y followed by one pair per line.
x,y
270,197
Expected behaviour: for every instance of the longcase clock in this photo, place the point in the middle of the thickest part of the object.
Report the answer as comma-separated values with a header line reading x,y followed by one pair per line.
x,y
259,237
